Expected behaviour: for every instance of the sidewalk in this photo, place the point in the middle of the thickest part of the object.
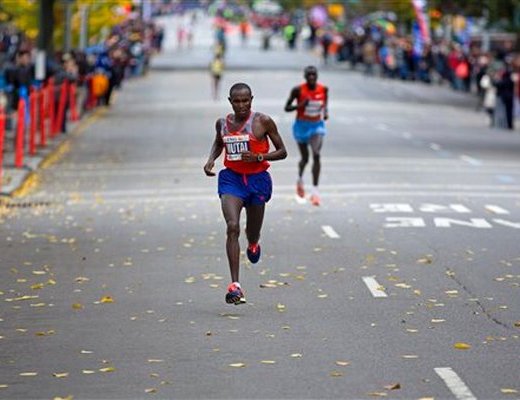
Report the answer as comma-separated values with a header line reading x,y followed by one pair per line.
x,y
16,180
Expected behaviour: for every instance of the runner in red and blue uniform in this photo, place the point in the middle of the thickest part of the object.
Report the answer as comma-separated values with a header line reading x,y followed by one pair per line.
x,y
244,182
309,127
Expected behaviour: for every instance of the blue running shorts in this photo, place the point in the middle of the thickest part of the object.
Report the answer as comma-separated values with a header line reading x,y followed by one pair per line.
x,y
303,130
253,189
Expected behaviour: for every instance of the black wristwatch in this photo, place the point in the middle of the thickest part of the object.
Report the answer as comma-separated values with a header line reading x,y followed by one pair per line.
x,y
259,157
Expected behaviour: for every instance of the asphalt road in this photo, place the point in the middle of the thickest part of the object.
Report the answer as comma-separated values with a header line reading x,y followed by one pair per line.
x,y
404,284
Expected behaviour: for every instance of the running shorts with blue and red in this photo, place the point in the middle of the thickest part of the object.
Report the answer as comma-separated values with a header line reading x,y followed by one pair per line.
x,y
303,130
252,189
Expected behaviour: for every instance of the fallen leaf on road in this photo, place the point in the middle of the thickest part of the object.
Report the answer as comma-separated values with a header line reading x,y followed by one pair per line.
x,y
77,306
153,360
4,386
268,362
237,365
280,307
425,260
296,355
69,397
28,373
410,356
88,371
402,285
60,374
508,391
106,299
37,286
393,386
336,374
342,363
107,369
377,394
462,346
150,390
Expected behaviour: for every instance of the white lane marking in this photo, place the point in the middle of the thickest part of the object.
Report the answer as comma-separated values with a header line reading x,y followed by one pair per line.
x,y
470,160
505,178
90,198
331,190
496,209
330,232
455,384
375,288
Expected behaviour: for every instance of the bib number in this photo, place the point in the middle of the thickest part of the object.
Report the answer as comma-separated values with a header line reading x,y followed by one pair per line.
x,y
235,145
313,108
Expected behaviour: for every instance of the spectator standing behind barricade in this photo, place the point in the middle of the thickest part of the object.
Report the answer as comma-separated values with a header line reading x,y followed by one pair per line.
x,y
19,78
489,94
369,56
102,87
119,64
505,85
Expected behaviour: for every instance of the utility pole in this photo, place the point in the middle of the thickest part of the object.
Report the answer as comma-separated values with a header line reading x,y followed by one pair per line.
x,y
67,45
83,30
45,46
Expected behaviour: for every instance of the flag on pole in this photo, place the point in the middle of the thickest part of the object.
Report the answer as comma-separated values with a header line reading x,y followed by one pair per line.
x,y
420,7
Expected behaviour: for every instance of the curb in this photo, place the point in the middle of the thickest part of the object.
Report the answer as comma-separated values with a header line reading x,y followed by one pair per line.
x,y
29,177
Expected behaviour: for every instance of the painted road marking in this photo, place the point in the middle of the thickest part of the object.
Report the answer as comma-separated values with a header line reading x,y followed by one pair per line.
x,y
470,160
375,288
496,209
330,232
455,384
505,178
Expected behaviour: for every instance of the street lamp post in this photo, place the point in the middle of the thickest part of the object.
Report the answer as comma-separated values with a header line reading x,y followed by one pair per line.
x,y
46,23
67,45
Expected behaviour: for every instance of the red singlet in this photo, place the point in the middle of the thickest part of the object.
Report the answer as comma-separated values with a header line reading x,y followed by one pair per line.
x,y
314,109
243,139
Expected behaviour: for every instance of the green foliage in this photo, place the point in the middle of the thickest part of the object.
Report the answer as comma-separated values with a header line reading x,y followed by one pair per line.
x,y
102,16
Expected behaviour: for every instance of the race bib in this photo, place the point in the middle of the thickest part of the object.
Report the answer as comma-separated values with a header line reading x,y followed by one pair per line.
x,y
235,145
313,108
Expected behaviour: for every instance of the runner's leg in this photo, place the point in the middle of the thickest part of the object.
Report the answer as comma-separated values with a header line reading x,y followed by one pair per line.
x,y
231,208
255,218
304,153
316,142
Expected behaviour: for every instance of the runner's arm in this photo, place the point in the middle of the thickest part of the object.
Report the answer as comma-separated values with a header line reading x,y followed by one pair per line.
x,y
326,104
295,94
216,150
271,130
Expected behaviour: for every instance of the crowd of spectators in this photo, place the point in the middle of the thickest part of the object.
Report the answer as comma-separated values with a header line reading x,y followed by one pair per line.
x,y
124,53
491,75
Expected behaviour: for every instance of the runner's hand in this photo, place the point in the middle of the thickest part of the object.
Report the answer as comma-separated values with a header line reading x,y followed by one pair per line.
x,y
208,168
249,156
301,105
